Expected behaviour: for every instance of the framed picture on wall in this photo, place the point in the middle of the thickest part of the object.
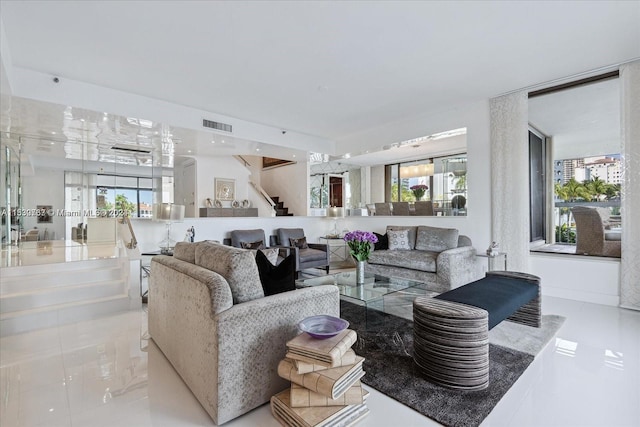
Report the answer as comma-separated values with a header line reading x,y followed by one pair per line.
x,y
44,213
225,188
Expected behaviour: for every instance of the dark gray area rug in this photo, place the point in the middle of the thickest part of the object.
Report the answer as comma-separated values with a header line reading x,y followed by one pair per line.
x,y
386,343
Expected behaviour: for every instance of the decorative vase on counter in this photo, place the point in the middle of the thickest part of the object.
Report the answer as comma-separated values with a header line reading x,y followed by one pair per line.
x,y
360,271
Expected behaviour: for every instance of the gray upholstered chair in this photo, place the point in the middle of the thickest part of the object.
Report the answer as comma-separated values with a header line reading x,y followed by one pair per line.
x,y
383,209
423,208
315,255
250,239
400,208
32,235
240,237
591,238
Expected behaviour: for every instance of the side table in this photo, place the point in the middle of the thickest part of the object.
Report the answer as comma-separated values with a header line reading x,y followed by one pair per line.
x,y
494,261
145,271
337,248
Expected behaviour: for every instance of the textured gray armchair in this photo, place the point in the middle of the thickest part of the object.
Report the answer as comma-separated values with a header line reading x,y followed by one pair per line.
x,y
591,238
210,318
314,255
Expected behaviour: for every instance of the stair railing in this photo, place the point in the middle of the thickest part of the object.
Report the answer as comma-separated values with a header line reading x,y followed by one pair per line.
x,y
243,160
264,194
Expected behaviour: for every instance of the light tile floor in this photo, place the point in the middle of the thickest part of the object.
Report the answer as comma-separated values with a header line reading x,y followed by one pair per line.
x,y
105,372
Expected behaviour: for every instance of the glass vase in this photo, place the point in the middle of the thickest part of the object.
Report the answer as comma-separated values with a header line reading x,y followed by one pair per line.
x,y
360,271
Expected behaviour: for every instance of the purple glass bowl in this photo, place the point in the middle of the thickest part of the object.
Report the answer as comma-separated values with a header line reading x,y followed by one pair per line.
x,y
323,326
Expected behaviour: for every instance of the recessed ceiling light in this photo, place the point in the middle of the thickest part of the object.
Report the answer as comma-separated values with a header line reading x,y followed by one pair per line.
x,y
82,120
188,151
294,155
346,156
257,149
53,132
213,141
223,141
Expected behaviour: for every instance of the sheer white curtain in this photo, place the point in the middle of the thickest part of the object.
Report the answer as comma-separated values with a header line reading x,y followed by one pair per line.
x,y
630,122
509,177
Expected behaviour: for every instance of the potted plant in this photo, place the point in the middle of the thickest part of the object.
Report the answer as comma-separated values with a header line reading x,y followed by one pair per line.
x,y
419,190
359,243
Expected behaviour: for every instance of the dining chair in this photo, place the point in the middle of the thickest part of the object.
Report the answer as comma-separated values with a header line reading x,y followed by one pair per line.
x,y
400,208
382,209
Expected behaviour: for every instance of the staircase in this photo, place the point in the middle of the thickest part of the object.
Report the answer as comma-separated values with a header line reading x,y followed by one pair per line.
x,y
47,295
279,207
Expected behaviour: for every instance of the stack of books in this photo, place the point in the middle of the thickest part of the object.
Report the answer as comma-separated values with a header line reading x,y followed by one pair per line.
x,y
325,383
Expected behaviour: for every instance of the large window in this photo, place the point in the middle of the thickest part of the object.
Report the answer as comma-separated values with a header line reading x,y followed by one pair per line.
x,y
587,181
125,193
440,180
581,124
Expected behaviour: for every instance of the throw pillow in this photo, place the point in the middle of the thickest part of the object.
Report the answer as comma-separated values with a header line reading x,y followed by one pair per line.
x,y
412,232
252,245
271,254
398,240
436,239
300,243
383,242
276,278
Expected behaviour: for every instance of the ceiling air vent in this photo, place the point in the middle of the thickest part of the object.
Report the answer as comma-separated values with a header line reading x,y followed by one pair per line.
x,y
130,148
216,125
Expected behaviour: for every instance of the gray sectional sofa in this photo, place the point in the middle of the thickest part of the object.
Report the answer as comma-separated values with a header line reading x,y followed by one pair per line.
x,y
440,257
209,316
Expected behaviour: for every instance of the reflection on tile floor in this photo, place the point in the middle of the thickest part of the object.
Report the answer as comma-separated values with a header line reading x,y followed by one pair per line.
x,y
105,372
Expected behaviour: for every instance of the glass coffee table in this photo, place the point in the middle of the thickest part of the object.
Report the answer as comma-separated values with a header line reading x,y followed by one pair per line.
x,y
370,294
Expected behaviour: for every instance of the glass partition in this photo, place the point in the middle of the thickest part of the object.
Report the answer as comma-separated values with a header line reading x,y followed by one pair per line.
x,y
10,186
55,186
442,181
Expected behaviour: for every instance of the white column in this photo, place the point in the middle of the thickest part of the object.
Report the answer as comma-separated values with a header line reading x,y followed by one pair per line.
x,y
509,177
630,204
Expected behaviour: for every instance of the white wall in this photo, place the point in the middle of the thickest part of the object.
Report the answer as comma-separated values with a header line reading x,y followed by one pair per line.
x,y
377,184
46,187
255,168
290,184
227,167
583,278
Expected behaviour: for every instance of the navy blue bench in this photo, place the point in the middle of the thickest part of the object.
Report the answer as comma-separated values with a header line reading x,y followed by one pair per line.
x,y
451,330
502,294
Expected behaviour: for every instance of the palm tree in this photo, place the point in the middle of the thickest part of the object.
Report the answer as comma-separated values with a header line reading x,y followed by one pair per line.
x,y
576,190
596,187
561,192
612,191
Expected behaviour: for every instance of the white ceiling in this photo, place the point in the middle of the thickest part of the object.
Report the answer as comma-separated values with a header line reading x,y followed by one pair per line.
x,y
584,121
329,69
